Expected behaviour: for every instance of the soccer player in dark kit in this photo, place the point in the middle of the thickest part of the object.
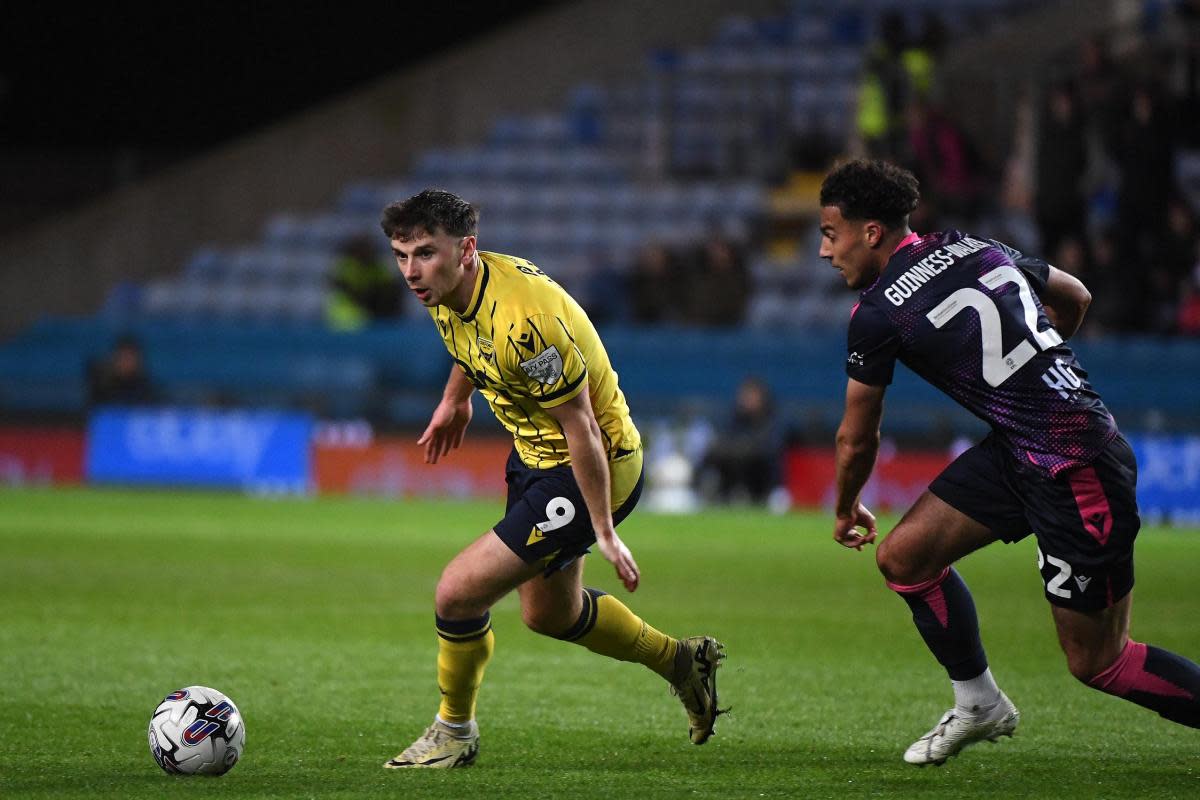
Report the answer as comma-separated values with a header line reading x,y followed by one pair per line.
x,y
985,324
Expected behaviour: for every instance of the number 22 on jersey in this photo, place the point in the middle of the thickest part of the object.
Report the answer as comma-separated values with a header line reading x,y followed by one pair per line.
x,y
998,366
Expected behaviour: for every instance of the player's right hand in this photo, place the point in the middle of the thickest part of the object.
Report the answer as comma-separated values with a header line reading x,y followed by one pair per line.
x,y
446,429
612,548
845,529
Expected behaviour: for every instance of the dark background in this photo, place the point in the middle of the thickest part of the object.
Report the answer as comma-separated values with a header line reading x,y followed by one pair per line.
x,y
98,96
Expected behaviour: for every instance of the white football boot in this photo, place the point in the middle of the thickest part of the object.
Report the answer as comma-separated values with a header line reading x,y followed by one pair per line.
x,y
440,747
958,729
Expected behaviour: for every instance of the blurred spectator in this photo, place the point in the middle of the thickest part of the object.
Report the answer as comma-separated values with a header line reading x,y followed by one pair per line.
x,y
1099,83
900,75
884,92
927,216
943,160
1162,303
1071,257
120,378
718,290
1172,272
1105,280
1146,156
1178,243
654,286
920,58
1014,218
364,287
1061,207
1188,317
743,460
1188,320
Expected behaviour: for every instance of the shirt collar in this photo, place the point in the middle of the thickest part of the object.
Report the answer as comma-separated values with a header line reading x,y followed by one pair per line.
x,y
905,242
481,282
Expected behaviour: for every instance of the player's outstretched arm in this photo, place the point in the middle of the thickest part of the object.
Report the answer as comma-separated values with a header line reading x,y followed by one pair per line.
x,y
1066,300
857,445
448,425
589,464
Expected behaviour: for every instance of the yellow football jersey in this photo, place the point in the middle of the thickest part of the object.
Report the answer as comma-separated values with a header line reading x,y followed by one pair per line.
x,y
527,346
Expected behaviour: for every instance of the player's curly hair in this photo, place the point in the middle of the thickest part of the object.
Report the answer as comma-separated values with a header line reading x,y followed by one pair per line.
x,y
429,211
871,189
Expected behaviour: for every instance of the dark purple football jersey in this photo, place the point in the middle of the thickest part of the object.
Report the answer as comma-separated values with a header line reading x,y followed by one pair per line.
x,y
963,313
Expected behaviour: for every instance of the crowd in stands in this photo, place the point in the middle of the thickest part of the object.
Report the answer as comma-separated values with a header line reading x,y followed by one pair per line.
x,y
1099,191
707,285
1091,183
1108,202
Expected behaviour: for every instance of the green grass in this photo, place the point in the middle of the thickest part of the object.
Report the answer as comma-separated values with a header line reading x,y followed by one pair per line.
x,y
315,616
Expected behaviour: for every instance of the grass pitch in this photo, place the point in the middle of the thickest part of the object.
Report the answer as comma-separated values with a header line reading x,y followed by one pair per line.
x,y
316,617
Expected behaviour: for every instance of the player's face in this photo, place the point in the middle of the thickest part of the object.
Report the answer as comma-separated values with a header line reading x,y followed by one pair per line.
x,y
851,247
434,265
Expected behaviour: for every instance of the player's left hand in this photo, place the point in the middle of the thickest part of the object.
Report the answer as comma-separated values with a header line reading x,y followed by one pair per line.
x,y
845,529
446,429
612,548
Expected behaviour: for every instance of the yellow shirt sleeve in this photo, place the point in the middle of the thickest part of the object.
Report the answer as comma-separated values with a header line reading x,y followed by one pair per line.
x,y
541,358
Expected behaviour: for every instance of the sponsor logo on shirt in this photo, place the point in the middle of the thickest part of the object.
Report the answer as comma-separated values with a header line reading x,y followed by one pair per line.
x,y
546,367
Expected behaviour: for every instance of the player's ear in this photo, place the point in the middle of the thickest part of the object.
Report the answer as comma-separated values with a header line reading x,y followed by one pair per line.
x,y
468,253
873,232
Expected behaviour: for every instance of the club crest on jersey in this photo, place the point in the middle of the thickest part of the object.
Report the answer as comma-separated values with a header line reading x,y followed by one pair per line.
x,y
486,349
546,367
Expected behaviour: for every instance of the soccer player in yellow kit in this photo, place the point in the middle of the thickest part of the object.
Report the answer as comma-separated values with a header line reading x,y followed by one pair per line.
x,y
574,474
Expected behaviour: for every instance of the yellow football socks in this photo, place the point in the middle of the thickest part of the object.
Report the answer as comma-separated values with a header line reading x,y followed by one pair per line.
x,y
607,626
464,649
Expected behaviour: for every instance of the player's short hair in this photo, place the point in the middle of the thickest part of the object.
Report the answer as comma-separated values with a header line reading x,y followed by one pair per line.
x,y
872,189
429,211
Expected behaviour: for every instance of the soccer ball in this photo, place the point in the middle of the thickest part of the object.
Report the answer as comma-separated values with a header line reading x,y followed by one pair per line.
x,y
196,730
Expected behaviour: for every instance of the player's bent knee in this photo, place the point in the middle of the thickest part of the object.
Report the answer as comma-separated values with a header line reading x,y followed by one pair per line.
x,y
1084,665
902,562
892,564
1082,670
545,621
454,600
883,556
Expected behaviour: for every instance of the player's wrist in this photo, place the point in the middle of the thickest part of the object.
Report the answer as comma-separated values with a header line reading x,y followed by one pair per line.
x,y
604,531
456,403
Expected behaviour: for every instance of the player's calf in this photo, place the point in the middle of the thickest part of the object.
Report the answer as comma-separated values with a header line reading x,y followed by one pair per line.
x,y
944,614
1156,679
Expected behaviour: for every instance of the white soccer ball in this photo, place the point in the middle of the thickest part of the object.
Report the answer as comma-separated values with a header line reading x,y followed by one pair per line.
x,y
196,731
